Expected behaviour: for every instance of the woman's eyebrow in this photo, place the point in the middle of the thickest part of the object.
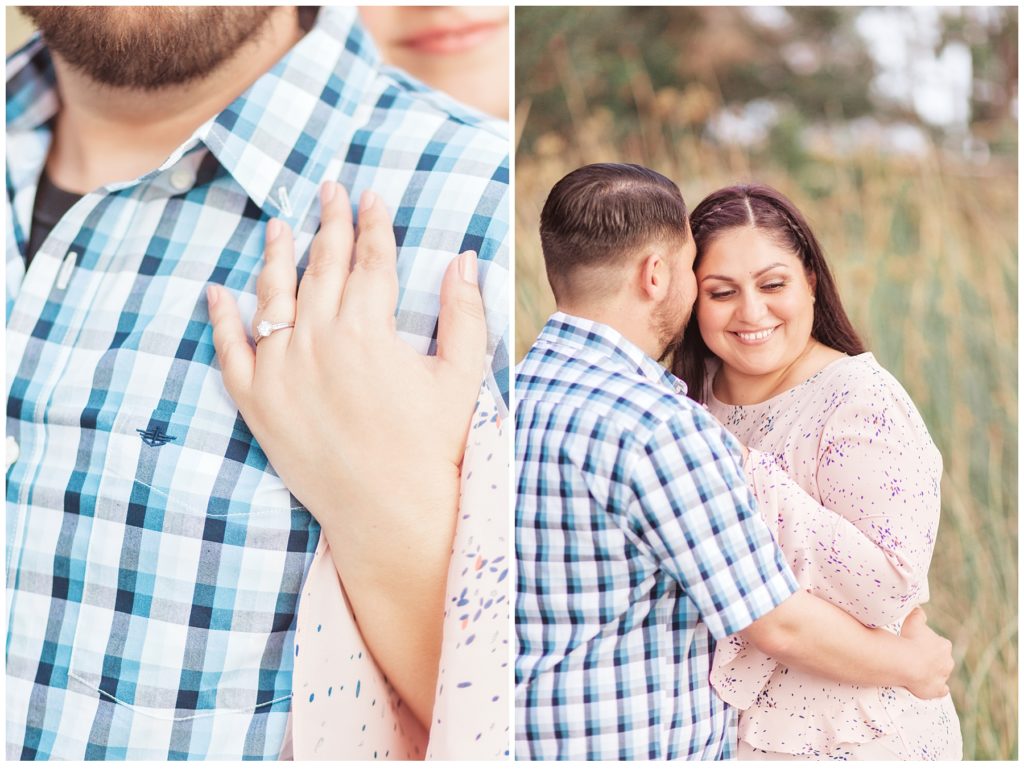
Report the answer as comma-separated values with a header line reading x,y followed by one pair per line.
x,y
758,273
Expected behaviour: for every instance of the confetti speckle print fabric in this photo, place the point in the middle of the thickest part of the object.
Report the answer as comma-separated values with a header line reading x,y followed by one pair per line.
x,y
343,706
848,478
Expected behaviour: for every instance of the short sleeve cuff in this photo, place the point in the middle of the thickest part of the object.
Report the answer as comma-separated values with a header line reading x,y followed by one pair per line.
x,y
768,582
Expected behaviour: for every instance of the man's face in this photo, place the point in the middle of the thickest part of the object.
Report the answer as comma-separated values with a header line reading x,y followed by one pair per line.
x,y
147,48
673,313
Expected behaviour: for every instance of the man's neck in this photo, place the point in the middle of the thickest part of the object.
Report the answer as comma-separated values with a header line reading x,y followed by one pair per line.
x,y
107,134
626,319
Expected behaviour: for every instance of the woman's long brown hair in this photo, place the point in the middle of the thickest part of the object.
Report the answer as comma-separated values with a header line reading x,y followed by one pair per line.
x,y
767,210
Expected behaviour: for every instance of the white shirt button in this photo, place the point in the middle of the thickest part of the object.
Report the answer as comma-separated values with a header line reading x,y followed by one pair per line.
x,y
12,451
182,180
680,391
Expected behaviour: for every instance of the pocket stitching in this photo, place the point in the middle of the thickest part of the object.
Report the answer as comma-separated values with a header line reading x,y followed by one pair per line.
x,y
159,717
194,509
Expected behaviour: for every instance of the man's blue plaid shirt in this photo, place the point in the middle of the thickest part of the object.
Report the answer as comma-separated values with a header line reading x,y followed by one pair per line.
x,y
637,545
154,560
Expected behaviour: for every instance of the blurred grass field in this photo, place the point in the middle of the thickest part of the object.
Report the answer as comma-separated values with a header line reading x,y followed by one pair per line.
x,y
924,251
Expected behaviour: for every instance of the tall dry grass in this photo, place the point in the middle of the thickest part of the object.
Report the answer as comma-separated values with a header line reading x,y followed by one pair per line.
x,y
925,256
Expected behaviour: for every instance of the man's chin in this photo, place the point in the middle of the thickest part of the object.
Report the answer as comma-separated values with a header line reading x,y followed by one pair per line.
x,y
147,48
671,331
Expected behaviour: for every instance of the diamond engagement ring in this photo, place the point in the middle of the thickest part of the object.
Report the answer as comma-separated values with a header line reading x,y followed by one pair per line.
x,y
265,328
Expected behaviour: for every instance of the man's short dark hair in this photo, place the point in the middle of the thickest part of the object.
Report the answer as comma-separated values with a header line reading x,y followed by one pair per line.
x,y
600,214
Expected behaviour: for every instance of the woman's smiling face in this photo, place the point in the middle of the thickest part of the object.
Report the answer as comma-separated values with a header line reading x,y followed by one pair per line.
x,y
461,50
755,305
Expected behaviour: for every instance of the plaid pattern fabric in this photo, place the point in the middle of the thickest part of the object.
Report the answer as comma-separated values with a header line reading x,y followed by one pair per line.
x,y
154,559
638,544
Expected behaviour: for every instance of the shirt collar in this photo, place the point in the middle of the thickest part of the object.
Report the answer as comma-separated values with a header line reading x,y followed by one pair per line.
x,y
601,338
278,136
31,87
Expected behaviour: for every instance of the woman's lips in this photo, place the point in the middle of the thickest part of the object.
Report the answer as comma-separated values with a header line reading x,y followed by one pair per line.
x,y
755,337
451,40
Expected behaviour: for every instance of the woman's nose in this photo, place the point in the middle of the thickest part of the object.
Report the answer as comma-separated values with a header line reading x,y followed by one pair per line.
x,y
751,309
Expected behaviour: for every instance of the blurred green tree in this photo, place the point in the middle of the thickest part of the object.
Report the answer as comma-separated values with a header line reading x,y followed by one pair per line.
x,y
813,62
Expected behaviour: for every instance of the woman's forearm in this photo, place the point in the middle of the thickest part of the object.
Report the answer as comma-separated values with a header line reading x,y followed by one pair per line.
x,y
813,635
395,584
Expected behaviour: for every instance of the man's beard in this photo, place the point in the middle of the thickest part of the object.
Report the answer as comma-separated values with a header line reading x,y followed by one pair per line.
x,y
670,324
147,48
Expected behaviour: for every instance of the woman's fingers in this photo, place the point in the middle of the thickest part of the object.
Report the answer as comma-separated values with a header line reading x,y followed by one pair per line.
x,y
461,328
275,291
371,291
237,361
330,257
916,618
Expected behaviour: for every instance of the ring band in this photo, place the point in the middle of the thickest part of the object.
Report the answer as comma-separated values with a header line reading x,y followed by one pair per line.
x,y
265,328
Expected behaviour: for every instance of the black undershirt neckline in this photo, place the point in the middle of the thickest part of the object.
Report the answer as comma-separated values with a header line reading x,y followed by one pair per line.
x,y
51,204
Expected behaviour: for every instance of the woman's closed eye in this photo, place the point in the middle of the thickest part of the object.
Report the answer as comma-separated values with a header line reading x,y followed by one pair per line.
x,y
724,293
719,294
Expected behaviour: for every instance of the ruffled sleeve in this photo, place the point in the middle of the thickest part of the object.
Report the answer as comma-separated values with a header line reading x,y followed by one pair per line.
x,y
343,706
471,706
867,545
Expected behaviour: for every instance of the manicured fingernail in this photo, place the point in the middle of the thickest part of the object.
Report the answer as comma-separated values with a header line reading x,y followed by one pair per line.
x,y
273,229
467,266
211,295
366,201
327,191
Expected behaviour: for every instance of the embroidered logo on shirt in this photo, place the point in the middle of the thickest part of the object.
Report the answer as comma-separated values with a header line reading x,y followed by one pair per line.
x,y
154,435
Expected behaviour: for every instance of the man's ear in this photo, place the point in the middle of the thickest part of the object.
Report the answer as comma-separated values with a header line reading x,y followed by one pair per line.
x,y
654,277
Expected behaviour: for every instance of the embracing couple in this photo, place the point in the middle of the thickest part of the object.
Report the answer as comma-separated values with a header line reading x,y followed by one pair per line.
x,y
724,559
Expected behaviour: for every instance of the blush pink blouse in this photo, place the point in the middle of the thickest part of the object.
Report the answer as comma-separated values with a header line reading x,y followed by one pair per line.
x,y
847,477
342,704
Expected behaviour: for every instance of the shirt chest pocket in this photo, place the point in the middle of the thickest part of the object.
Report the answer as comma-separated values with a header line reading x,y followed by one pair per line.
x,y
195,562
